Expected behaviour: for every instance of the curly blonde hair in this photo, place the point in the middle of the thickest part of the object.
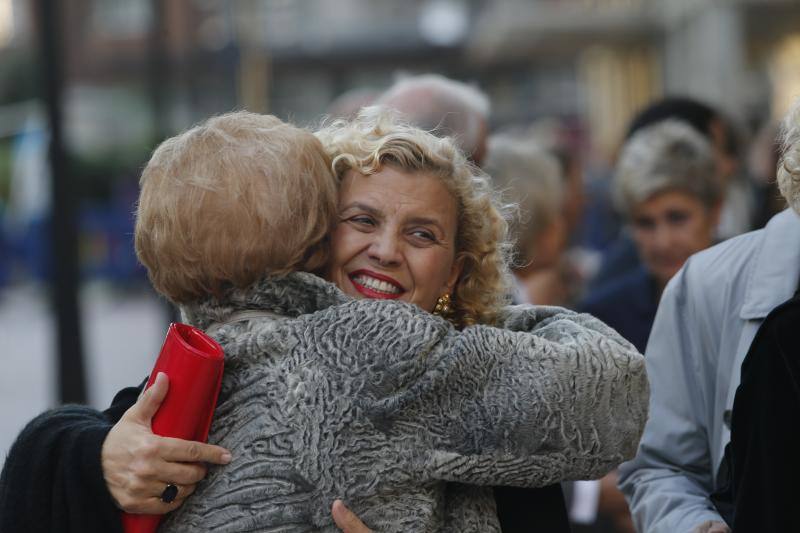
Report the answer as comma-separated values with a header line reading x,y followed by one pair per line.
x,y
376,137
789,166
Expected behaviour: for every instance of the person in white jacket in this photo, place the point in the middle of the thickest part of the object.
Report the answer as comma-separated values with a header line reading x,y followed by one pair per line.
x,y
706,321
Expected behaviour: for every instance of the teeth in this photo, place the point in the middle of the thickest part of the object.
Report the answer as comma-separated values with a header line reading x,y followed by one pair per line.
x,y
376,284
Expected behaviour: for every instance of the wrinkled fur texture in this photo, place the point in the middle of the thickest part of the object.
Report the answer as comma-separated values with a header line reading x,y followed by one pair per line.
x,y
406,419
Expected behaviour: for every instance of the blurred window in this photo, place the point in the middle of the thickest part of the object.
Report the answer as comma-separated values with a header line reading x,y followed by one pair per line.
x,y
6,22
121,19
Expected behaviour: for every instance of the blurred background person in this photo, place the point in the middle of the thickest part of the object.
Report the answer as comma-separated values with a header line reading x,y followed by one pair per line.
x,y
446,107
762,160
572,176
530,177
563,140
622,257
348,104
667,186
737,206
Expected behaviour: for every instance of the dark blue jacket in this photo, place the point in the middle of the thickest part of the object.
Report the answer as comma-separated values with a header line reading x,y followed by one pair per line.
x,y
628,304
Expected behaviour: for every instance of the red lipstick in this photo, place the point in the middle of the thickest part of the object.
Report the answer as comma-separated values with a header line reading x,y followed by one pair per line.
x,y
372,293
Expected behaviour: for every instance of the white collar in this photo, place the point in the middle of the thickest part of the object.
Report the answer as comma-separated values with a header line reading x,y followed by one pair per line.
x,y
776,273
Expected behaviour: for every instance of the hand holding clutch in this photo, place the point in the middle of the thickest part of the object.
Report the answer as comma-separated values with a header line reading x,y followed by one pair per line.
x,y
137,464
193,362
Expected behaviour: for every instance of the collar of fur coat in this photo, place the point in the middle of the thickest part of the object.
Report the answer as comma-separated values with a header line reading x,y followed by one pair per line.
x,y
292,295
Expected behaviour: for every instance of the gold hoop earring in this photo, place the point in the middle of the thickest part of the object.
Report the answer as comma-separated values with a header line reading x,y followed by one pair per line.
x,y
444,306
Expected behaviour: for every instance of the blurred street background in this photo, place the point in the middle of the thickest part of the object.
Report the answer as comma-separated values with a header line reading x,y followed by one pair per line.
x,y
89,87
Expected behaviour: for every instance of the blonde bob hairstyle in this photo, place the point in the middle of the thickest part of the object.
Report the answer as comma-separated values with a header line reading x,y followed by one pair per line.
x,y
789,166
376,137
236,198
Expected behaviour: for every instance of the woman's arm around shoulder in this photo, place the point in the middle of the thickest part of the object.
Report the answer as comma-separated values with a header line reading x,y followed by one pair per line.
x,y
560,394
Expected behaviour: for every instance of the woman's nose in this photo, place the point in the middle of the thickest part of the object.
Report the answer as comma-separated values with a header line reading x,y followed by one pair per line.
x,y
663,237
385,249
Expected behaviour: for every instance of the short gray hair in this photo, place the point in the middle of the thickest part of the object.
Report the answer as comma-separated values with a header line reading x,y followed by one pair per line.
x,y
442,106
789,166
531,177
669,155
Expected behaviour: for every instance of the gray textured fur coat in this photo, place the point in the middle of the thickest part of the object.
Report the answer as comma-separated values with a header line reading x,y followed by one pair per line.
x,y
406,419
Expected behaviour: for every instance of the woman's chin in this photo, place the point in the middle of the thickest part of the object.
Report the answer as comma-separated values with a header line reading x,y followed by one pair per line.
x,y
663,275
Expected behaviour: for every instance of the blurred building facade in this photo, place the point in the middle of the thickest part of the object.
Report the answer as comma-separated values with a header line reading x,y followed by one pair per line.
x,y
138,70
599,59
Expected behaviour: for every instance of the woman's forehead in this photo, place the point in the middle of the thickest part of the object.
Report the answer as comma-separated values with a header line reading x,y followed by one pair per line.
x,y
397,190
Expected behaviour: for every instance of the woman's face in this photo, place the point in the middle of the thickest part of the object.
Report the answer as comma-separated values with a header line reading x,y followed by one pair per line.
x,y
668,228
395,238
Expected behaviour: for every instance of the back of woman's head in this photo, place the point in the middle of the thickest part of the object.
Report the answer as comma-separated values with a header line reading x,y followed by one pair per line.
x,y
666,156
377,137
236,198
532,178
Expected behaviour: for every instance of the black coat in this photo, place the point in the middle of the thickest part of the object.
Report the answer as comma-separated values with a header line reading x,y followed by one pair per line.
x,y
763,457
52,480
540,510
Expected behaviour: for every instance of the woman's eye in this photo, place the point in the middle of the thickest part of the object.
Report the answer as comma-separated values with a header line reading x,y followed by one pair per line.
x,y
677,217
424,235
362,221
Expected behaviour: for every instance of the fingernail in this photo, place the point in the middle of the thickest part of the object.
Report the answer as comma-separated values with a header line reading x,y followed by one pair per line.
x,y
225,458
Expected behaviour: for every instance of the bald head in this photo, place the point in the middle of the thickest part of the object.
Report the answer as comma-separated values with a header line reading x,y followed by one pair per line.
x,y
445,107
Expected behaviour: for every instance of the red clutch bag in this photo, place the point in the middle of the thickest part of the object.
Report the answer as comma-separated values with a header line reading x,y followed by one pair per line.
x,y
193,362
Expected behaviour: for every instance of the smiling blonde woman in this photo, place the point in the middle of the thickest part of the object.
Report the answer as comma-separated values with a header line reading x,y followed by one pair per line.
x,y
378,155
